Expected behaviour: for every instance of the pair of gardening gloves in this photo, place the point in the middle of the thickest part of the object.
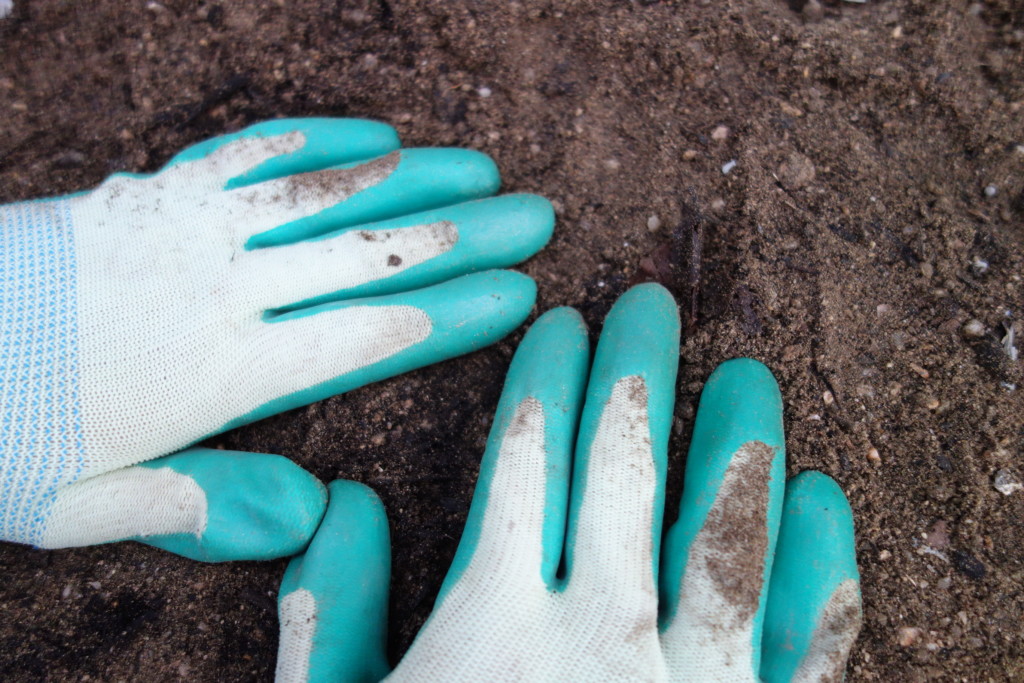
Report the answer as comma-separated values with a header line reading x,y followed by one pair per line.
x,y
298,259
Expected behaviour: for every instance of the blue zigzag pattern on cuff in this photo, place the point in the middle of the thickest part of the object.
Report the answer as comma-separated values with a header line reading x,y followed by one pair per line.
x,y
41,444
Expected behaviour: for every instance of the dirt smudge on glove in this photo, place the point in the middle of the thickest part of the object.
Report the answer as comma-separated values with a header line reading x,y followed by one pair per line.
x,y
834,636
736,531
339,183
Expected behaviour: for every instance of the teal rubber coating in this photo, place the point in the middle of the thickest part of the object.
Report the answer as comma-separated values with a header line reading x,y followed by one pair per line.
x,y
467,313
551,367
640,338
740,403
423,179
259,506
346,569
329,142
493,233
816,552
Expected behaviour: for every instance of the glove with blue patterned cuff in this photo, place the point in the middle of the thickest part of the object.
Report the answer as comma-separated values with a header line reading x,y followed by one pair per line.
x,y
256,272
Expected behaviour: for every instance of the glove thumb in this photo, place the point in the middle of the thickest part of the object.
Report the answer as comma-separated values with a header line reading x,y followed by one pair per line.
x,y
205,504
333,602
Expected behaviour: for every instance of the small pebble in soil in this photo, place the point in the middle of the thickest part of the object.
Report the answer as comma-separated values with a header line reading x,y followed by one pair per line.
x,y
979,266
874,457
690,155
728,166
484,92
796,172
974,329
827,398
813,11
938,535
908,636
920,371
1006,482
653,223
720,133
991,190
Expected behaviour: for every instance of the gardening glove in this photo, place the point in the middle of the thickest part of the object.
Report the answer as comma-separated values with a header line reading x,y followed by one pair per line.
x,y
560,582
256,272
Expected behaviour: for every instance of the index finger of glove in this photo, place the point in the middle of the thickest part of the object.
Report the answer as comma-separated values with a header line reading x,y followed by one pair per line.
x,y
619,472
517,520
307,205
275,149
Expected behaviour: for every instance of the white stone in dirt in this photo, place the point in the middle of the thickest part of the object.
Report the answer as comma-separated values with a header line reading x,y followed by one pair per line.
x,y
1006,483
974,328
6,7
1009,347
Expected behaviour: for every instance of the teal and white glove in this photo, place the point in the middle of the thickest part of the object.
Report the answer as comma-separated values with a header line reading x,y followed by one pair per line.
x,y
256,272
557,575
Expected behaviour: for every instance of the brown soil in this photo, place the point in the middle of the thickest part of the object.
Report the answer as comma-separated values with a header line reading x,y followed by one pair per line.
x,y
844,250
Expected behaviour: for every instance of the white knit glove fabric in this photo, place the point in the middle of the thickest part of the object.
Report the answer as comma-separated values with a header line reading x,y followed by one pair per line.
x,y
563,573
255,273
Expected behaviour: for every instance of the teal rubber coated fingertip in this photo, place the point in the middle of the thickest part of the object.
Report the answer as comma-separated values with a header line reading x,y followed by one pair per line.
x,y
333,602
421,179
815,581
514,227
473,311
551,366
259,506
640,338
328,142
741,403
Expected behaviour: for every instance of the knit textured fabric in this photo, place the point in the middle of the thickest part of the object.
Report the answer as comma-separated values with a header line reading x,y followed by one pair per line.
x,y
501,622
133,323
39,368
